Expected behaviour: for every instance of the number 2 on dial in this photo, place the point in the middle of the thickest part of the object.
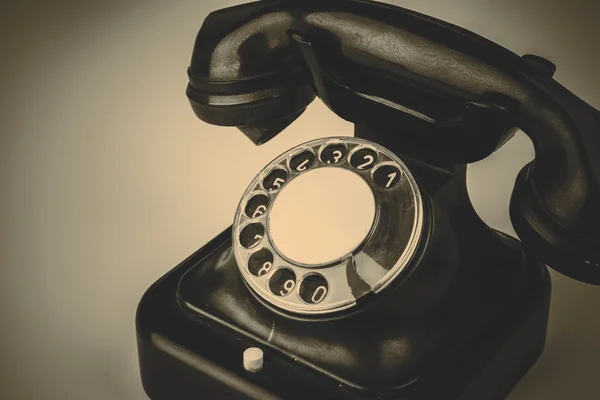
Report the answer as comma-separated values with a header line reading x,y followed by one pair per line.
x,y
366,164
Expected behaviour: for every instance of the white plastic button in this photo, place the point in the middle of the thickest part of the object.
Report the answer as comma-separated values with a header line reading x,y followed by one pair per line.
x,y
253,359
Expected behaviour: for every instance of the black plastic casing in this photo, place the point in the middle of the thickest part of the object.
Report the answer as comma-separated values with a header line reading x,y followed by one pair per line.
x,y
484,328
471,317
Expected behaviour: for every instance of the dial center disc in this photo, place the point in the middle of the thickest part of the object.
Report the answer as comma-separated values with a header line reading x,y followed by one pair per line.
x,y
321,216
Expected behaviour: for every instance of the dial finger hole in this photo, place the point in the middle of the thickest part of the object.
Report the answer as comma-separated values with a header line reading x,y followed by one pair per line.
x,y
314,289
251,235
302,161
260,263
282,282
275,179
387,176
363,158
334,153
257,206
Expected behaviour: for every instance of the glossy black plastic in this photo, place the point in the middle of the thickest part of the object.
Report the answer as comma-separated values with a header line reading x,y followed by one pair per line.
x,y
467,325
444,93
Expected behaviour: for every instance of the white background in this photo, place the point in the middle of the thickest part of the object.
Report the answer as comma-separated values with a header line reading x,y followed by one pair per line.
x,y
108,180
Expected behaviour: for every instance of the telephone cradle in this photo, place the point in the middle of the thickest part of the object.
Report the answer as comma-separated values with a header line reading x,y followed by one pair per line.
x,y
357,267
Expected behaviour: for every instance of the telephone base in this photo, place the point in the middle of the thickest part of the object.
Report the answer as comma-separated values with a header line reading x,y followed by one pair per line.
x,y
184,356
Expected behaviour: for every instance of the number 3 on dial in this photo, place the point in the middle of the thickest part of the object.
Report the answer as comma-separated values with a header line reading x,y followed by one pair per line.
x,y
337,156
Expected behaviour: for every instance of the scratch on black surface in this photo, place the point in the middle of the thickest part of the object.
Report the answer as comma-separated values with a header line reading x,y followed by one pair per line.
x,y
272,333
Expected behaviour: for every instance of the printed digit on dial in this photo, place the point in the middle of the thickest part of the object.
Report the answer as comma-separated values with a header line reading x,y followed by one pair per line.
x,y
275,179
386,176
251,235
313,288
301,162
282,282
257,206
333,153
363,159
261,262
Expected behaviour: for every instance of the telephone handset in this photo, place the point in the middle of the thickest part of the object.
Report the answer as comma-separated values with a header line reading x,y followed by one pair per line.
x,y
356,267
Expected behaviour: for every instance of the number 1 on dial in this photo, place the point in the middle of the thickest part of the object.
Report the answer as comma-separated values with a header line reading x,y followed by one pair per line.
x,y
392,176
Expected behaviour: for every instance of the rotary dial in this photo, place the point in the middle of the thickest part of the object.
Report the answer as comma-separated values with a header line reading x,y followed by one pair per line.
x,y
326,223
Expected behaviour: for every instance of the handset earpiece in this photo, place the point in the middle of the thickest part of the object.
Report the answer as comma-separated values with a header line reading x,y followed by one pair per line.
x,y
425,88
243,73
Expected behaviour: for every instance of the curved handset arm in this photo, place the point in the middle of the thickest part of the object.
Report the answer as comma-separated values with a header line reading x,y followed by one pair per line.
x,y
438,91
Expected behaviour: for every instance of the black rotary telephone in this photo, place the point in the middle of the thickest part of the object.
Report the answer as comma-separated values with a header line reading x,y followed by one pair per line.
x,y
356,267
